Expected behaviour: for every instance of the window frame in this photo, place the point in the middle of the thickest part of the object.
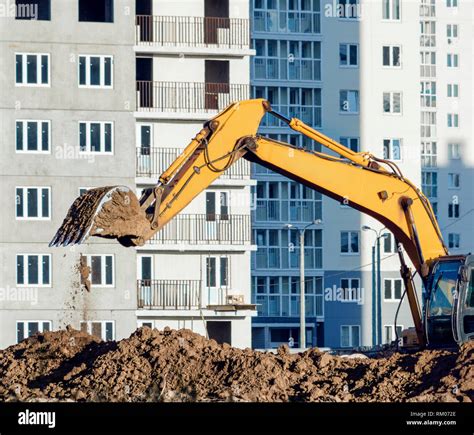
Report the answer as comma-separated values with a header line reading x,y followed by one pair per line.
x,y
24,71
455,210
102,84
353,296
390,56
39,138
39,202
392,330
350,345
452,90
451,57
40,270
454,155
345,18
88,150
452,239
391,19
453,176
25,327
103,329
349,253
453,119
347,112
391,139
391,112
392,289
348,45
103,277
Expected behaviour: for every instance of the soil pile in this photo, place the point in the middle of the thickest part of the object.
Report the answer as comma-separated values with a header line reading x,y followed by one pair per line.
x,y
171,365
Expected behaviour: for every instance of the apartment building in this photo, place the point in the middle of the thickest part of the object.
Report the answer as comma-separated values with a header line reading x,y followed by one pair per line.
x,y
446,113
192,60
352,70
67,80
108,93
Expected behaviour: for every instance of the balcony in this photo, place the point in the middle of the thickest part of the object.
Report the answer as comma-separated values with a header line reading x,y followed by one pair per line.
x,y
188,97
202,229
152,162
276,210
287,22
197,32
287,258
185,294
169,294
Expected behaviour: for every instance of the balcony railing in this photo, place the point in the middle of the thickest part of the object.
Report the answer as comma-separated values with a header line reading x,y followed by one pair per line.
x,y
287,21
178,294
276,210
188,96
169,294
205,229
152,162
175,31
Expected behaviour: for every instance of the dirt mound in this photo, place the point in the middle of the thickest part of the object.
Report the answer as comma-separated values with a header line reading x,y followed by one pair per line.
x,y
171,365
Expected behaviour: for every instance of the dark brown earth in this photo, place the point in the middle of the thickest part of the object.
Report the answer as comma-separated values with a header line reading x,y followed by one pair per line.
x,y
171,365
119,217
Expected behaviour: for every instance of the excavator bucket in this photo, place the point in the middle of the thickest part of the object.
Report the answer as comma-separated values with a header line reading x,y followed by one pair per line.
x,y
110,212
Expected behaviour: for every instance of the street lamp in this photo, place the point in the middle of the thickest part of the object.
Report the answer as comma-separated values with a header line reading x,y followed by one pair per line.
x,y
302,278
376,294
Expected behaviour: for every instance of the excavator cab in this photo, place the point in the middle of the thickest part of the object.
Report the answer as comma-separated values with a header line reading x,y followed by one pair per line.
x,y
449,302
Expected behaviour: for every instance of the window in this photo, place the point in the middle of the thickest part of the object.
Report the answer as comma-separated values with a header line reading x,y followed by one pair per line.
x,y
454,240
454,181
452,31
350,289
144,138
452,3
428,94
143,323
389,244
348,55
33,270
32,69
33,10
429,154
217,272
349,242
95,71
28,328
33,136
392,149
391,56
453,210
429,183
389,333
453,120
453,90
453,60
99,11
96,137
350,142
217,206
350,335
348,9
392,289
102,269
33,203
392,102
102,329
454,151
391,10
348,101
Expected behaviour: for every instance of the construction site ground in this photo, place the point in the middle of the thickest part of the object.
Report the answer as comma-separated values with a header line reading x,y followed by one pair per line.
x,y
182,366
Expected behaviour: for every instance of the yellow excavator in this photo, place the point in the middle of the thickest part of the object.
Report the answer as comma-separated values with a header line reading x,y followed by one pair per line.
x,y
369,184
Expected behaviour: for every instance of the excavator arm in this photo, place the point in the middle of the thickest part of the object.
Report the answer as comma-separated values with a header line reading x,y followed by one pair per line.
x,y
371,185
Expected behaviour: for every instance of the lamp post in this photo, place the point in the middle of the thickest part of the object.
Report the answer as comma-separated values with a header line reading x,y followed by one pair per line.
x,y
376,283
302,279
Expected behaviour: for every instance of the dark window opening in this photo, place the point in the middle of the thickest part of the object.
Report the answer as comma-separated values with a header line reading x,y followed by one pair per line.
x,y
219,331
98,11
33,10
144,77
216,16
217,81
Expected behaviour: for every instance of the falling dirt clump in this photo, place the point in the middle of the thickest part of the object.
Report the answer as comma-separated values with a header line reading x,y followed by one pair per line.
x,y
171,365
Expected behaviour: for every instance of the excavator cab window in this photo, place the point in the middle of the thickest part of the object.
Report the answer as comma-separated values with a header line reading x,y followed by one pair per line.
x,y
440,303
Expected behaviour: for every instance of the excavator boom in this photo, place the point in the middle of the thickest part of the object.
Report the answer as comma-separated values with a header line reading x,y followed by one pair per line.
x,y
371,185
